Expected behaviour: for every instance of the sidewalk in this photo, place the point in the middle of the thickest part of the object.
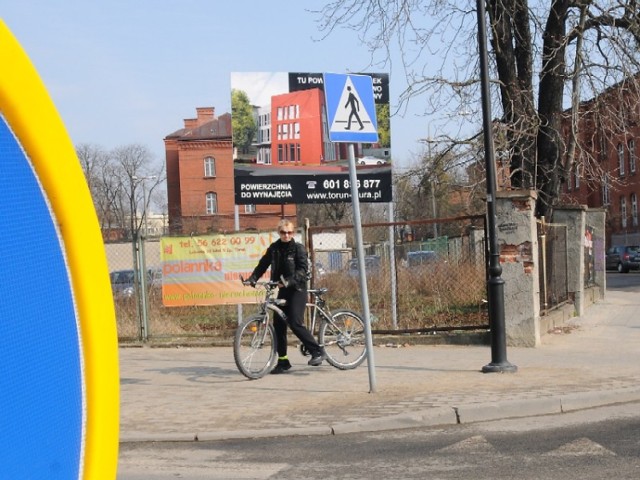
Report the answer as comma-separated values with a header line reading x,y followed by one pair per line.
x,y
189,393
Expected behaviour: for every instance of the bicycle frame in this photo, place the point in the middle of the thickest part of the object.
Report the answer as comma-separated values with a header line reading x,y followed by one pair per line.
x,y
332,329
315,306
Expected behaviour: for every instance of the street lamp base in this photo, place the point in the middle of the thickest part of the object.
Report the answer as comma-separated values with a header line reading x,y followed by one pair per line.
x,y
503,367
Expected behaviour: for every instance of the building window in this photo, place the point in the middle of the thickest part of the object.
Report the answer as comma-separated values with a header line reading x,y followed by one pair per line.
x,y
211,200
578,173
281,152
296,130
621,159
623,212
634,210
209,167
605,190
292,153
249,209
632,156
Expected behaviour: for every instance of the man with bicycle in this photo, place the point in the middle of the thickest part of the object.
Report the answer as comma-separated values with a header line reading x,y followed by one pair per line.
x,y
289,267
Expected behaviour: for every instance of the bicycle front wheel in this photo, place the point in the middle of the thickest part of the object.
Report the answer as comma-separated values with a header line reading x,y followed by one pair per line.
x,y
343,339
254,347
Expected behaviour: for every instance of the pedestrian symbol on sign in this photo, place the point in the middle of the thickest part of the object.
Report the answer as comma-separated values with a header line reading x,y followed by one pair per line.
x,y
354,104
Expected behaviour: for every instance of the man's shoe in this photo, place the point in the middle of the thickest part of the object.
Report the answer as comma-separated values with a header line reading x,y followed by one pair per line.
x,y
317,359
281,367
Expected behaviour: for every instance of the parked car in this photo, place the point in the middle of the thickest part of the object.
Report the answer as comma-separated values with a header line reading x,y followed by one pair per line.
x,y
422,257
623,258
319,269
123,283
371,264
369,160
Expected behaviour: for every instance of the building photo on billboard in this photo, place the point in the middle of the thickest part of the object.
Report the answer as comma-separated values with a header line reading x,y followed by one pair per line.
x,y
291,137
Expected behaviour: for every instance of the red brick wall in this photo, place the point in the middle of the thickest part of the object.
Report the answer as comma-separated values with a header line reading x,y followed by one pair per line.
x,y
187,184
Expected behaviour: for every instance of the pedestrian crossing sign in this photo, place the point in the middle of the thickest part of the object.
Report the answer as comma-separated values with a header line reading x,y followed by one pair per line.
x,y
351,112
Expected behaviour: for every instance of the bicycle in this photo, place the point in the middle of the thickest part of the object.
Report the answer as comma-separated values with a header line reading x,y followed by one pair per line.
x,y
340,334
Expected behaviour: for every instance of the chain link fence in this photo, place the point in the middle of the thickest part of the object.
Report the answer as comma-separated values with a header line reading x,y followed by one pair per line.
x,y
432,284
140,313
414,285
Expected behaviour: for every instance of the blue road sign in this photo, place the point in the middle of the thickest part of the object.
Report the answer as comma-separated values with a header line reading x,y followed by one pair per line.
x,y
351,111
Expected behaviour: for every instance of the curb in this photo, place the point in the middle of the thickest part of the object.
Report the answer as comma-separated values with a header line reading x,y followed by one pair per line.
x,y
433,417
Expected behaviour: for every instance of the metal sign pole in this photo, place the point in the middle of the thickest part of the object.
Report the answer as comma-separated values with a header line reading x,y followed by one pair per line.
x,y
361,267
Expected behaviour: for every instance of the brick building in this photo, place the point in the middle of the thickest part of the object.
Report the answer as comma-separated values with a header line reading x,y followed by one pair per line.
x,y
200,179
605,171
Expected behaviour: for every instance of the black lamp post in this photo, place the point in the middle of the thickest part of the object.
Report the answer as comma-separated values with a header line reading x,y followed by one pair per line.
x,y
495,288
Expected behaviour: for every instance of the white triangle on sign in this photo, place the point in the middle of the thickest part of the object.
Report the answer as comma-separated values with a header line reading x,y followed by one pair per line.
x,y
351,114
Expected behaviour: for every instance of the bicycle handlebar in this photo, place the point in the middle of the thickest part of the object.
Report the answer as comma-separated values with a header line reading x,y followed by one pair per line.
x,y
259,283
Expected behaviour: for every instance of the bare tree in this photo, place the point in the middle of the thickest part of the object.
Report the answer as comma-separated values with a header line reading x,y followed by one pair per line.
x,y
94,160
123,183
564,49
325,213
133,167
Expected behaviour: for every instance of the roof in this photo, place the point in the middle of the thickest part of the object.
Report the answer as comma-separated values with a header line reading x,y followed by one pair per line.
x,y
217,128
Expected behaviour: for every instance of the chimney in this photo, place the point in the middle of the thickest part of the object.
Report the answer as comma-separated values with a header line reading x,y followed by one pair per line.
x,y
205,114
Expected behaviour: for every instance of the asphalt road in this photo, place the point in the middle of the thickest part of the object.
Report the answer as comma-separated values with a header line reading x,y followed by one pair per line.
x,y
601,443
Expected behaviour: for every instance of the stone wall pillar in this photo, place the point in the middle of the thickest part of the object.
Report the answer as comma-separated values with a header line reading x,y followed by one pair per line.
x,y
596,218
518,243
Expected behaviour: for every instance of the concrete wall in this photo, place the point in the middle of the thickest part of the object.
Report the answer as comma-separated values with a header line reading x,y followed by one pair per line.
x,y
574,218
517,238
518,244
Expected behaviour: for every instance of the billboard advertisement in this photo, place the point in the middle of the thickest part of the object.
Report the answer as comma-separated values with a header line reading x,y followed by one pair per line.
x,y
283,153
206,270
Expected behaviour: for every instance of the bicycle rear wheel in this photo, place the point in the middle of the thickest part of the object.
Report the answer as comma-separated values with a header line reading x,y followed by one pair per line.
x,y
343,339
254,347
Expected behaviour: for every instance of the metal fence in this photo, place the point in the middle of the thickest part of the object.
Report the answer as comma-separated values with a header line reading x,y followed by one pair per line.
x,y
416,282
432,284
414,285
553,261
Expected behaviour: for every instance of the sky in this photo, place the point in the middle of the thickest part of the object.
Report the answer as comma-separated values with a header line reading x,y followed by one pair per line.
x,y
129,72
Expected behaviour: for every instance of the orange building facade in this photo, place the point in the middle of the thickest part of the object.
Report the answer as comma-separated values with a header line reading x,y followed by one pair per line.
x,y
200,181
297,126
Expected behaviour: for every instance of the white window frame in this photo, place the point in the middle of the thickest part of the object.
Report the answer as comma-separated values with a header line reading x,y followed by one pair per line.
x,y
634,210
621,159
250,208
623,212
631,145
211,203
209,167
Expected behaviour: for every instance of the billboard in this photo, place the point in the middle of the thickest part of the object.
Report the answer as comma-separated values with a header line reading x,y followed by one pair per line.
x,y
282,148
206,270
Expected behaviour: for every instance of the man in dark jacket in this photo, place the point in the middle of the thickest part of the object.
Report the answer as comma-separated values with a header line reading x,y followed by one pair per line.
x,y
289,267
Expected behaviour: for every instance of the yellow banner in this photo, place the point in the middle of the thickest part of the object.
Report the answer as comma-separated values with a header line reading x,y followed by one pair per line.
x,y
206,270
